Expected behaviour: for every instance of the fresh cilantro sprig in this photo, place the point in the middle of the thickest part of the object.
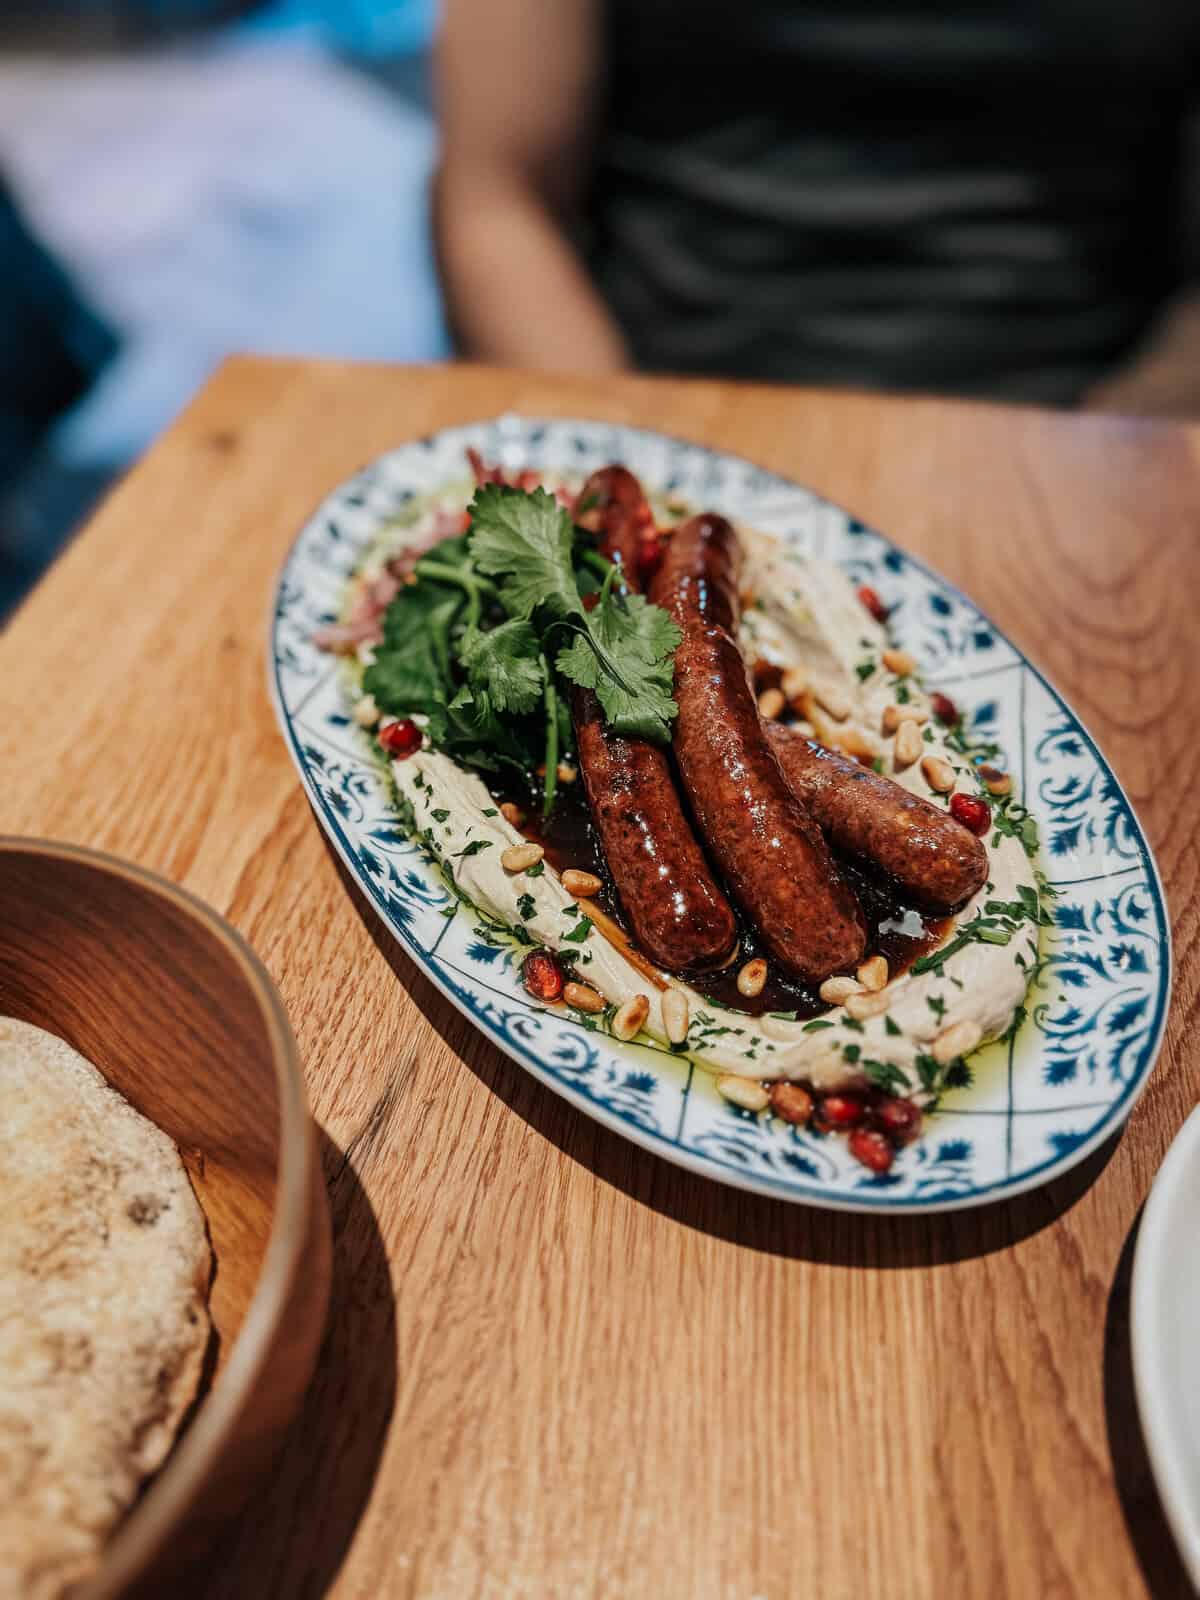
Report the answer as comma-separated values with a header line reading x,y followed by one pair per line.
x,y
495,626
623,647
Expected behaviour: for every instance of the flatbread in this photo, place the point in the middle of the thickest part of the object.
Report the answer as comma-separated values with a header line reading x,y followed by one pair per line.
x,y
104,1274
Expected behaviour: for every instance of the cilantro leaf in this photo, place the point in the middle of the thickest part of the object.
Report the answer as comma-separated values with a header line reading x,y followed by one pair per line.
x,y
526,540
627,655
469,730
506,663
411,668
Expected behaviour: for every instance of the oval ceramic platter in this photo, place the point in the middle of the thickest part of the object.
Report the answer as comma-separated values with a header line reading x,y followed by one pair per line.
x,y
1036,1106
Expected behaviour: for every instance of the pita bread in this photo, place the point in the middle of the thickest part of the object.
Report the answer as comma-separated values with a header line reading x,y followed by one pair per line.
x,y
104,1273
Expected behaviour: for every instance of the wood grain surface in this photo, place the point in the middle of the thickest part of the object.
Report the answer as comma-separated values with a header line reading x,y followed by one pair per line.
x,y
555,1365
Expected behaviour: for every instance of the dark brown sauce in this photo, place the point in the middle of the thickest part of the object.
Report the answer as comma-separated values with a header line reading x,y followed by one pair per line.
x,y
896,929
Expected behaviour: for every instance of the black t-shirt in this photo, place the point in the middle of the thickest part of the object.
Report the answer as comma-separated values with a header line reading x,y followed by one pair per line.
x,y
978,198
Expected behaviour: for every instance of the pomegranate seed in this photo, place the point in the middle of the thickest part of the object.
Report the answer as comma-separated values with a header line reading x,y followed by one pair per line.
x,y
841,1110
870,1147
944,709
542,975
972,812
401,738
900,1118
791,1102
872,603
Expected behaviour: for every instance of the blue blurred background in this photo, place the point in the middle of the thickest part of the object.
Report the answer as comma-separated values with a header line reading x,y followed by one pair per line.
x,y
180,179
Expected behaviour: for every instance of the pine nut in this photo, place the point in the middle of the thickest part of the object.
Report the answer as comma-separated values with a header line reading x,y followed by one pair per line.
x,y
744,1092
675,1016
899,662
792,1103
908,746
794,682
836,701
581,883
366,712
862,1006
520,857
583,997
512,813
752,977
836,991
959,1039
893,716
939,774
770,703
631,1017
873,974
995,781
565,772
856,744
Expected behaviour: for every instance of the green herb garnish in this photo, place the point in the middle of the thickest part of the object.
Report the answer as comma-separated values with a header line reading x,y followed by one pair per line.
x,y
472,849
489,638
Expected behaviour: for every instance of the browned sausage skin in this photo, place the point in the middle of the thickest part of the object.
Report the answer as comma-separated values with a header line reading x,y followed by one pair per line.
x,y
676,913
930,855
770,851
613,505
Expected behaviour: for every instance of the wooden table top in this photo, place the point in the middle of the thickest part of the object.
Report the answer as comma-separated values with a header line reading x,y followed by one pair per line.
x,y
557,1366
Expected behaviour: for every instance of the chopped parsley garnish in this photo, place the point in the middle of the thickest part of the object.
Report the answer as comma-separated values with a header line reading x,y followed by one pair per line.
x,y
526,906
983,930
580,931
473,849
439,815
864,669
885,1076
536,870
816,1025
891,1026
1012,819
928,1071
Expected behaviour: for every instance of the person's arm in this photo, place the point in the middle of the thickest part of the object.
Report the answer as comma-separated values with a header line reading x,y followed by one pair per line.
x,y
518,82
1162,379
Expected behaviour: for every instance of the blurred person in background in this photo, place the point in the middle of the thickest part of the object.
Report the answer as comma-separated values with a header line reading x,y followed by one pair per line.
x,y
984,198
185,179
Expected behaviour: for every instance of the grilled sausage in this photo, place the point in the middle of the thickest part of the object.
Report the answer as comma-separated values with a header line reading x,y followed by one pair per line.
x,y
930,855
769,850
613,505
676,912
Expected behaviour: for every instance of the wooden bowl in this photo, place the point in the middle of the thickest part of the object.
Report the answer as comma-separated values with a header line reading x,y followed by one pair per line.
x,y
180,1016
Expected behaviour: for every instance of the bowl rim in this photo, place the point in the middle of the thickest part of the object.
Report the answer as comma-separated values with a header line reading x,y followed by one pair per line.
x,y
153,1516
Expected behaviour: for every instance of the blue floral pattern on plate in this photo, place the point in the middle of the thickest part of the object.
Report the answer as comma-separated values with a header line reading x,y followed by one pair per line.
x,y
1037,1104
